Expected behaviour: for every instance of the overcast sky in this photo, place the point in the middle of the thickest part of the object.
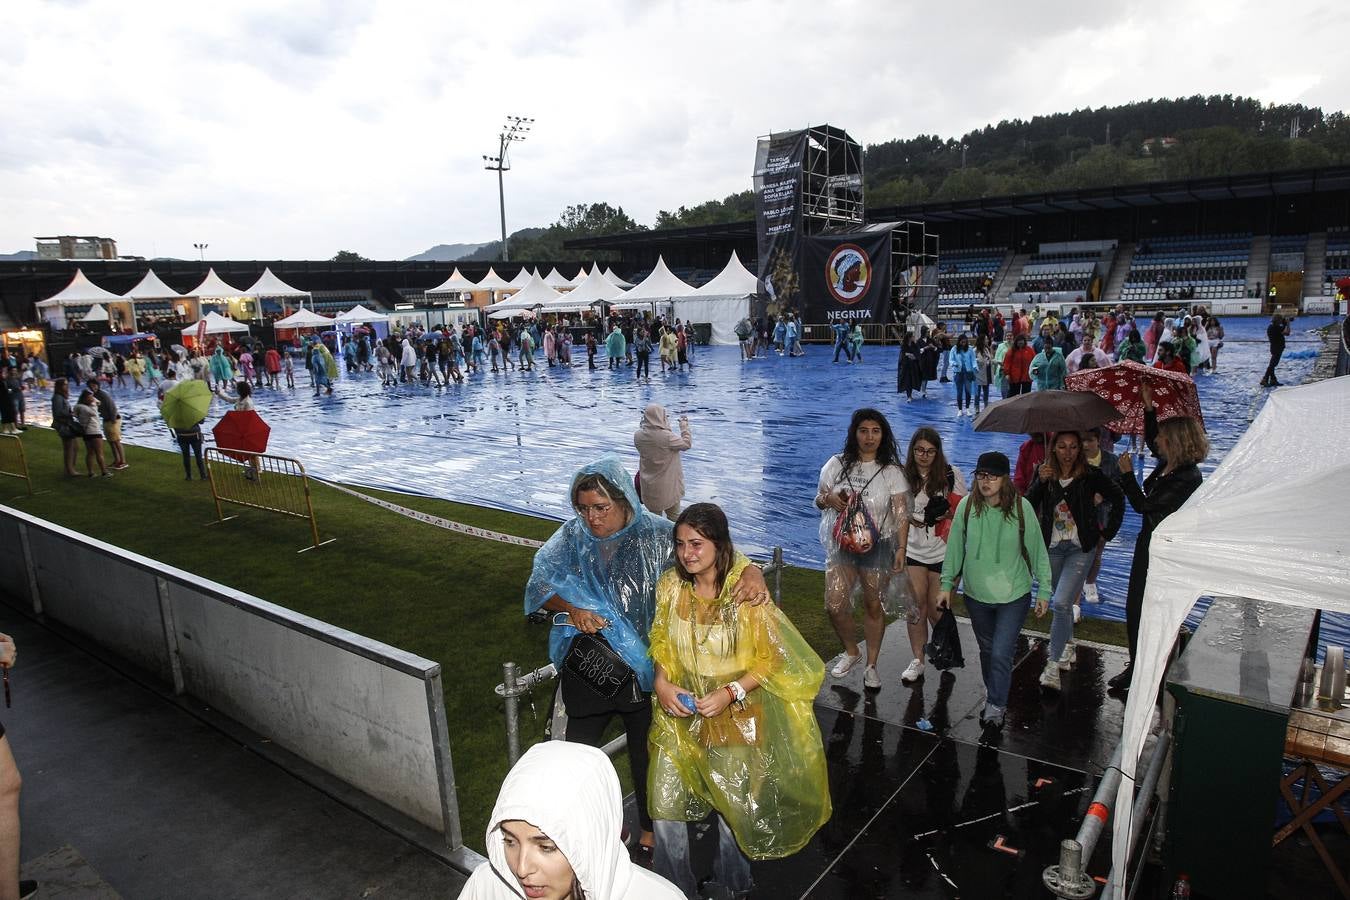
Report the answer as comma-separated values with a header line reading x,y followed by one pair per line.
x,y
281,129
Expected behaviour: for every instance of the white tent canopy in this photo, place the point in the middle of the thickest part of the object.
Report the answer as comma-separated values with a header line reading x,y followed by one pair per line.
x,y
358,314
96,314
491,282
79,292
152,288
615,279
455,284
594,287
303,318
534,293
522,278
735,280
555,279
661,284
582,274
269,285
213,288
215,324
1247,534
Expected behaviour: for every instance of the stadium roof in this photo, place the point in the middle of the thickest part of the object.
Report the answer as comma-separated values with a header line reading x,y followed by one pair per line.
x,y
1125,196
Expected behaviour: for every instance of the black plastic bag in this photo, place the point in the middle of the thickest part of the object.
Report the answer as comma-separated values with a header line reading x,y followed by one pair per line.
x,y
944,650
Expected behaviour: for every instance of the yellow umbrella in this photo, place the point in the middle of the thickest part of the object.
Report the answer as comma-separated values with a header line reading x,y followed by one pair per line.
x,y
186,404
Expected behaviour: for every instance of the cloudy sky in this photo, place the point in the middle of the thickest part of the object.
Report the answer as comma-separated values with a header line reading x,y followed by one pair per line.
x,y
285,129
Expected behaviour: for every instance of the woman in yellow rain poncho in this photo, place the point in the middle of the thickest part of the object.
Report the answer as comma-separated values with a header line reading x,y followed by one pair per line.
x,y
750,749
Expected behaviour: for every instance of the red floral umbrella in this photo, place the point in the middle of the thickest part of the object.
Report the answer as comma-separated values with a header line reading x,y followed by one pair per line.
x,y
1174,393
241,430
1343,287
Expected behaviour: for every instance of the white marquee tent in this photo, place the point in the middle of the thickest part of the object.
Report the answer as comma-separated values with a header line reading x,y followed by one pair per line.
x,y
96,314
269,285
455,284
81,292
592,289
582,275
358,314
215,324
615,279
523,277
213,288
303,318
660,286
534,293
722,302
152,288
1244,533
555,279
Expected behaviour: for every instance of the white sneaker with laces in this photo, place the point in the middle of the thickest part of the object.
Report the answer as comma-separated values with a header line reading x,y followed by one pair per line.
x,y
845,665
1050,676
870,678
1066,659
913,671
1090,594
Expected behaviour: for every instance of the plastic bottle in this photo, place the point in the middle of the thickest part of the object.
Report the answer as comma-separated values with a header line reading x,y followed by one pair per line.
x,y
1181,890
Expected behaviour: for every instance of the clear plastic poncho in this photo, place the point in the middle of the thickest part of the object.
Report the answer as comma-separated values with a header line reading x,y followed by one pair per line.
x,y
614,576
849,576
762,767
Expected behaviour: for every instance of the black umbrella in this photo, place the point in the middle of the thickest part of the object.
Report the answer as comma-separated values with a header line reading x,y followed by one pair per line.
x,y
1043,411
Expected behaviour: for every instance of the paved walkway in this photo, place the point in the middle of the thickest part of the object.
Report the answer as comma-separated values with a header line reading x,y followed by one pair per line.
x,y
125,793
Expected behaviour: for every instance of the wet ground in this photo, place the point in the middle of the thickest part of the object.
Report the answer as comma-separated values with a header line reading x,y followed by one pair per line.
x,y
761,431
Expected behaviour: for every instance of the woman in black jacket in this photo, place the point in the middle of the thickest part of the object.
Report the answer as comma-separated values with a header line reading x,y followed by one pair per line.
x,y
1179,445
1066,497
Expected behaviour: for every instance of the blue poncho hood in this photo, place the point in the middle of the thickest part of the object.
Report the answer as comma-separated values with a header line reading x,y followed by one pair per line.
x,y
614,576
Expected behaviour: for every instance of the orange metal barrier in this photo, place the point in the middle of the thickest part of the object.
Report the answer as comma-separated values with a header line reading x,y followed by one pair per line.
x,y
273,483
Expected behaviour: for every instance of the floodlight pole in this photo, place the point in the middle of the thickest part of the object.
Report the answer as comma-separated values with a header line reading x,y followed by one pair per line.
x,y
201,252
517,128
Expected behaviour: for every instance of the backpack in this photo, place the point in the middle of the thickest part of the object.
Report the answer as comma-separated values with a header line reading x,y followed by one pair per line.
x,y
855,531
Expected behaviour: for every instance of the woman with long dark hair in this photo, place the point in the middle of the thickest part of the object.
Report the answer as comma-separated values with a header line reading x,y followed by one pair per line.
x,y
909,376
865,483
933,482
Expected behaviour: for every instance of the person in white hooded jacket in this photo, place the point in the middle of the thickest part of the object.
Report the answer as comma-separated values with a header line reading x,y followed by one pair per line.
x,y
660,473
554,833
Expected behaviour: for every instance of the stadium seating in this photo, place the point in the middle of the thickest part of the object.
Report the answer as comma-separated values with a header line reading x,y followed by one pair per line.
x,y
1215,265
1338,254
962,274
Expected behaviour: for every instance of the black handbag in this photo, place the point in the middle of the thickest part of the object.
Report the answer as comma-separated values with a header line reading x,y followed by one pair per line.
x,y
944,651
593,662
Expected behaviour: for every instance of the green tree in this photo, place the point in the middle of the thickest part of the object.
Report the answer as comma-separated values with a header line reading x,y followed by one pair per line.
x,y
348,256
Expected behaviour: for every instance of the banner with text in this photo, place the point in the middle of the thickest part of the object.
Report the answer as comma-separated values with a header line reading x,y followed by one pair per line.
x,y
778,216
846,276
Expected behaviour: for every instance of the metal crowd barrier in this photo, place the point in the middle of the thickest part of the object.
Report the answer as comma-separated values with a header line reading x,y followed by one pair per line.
x,y
272,483
12,460
515,686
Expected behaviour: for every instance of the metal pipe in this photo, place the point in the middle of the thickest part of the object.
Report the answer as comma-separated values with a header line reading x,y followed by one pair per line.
x,y
1146,789
511,692
778,575
1068,880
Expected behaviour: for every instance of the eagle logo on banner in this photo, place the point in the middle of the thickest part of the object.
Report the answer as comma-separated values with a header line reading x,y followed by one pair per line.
x,y
847,273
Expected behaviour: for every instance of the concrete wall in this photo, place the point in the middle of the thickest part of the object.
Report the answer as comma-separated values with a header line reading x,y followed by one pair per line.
x,y
365,712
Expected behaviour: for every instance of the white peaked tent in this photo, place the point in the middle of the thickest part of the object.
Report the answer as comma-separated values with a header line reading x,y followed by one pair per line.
x,y
213,288
615,279
722,302
303,318
593,288
215,324
80,292
359,314
152,288
534,293
661,285
269,285
522,278
96,314
492,282
455,284
555,279
1245,533
581,276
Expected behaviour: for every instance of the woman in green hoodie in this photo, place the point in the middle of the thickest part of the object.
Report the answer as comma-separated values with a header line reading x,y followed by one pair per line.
x,y
994,549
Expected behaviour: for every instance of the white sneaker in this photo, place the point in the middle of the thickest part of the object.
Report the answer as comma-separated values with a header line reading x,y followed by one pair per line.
x,y
1077,613
1090,594
1066,659
1050,676
845,665
913,671
870,678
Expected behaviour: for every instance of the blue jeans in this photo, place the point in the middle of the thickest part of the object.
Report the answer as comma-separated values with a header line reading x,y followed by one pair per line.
x,y
964,381
670,858
844,344
945,362
996,627
1068,570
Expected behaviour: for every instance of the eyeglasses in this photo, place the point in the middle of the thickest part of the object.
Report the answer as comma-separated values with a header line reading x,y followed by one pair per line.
x,y
598,509
925,451
986,476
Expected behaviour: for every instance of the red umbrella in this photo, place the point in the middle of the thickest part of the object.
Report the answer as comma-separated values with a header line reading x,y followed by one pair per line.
x,y
241,430
1174,393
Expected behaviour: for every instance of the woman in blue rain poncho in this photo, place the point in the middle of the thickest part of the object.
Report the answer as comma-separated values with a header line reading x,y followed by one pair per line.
x,y
222,372
598,574
749,748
